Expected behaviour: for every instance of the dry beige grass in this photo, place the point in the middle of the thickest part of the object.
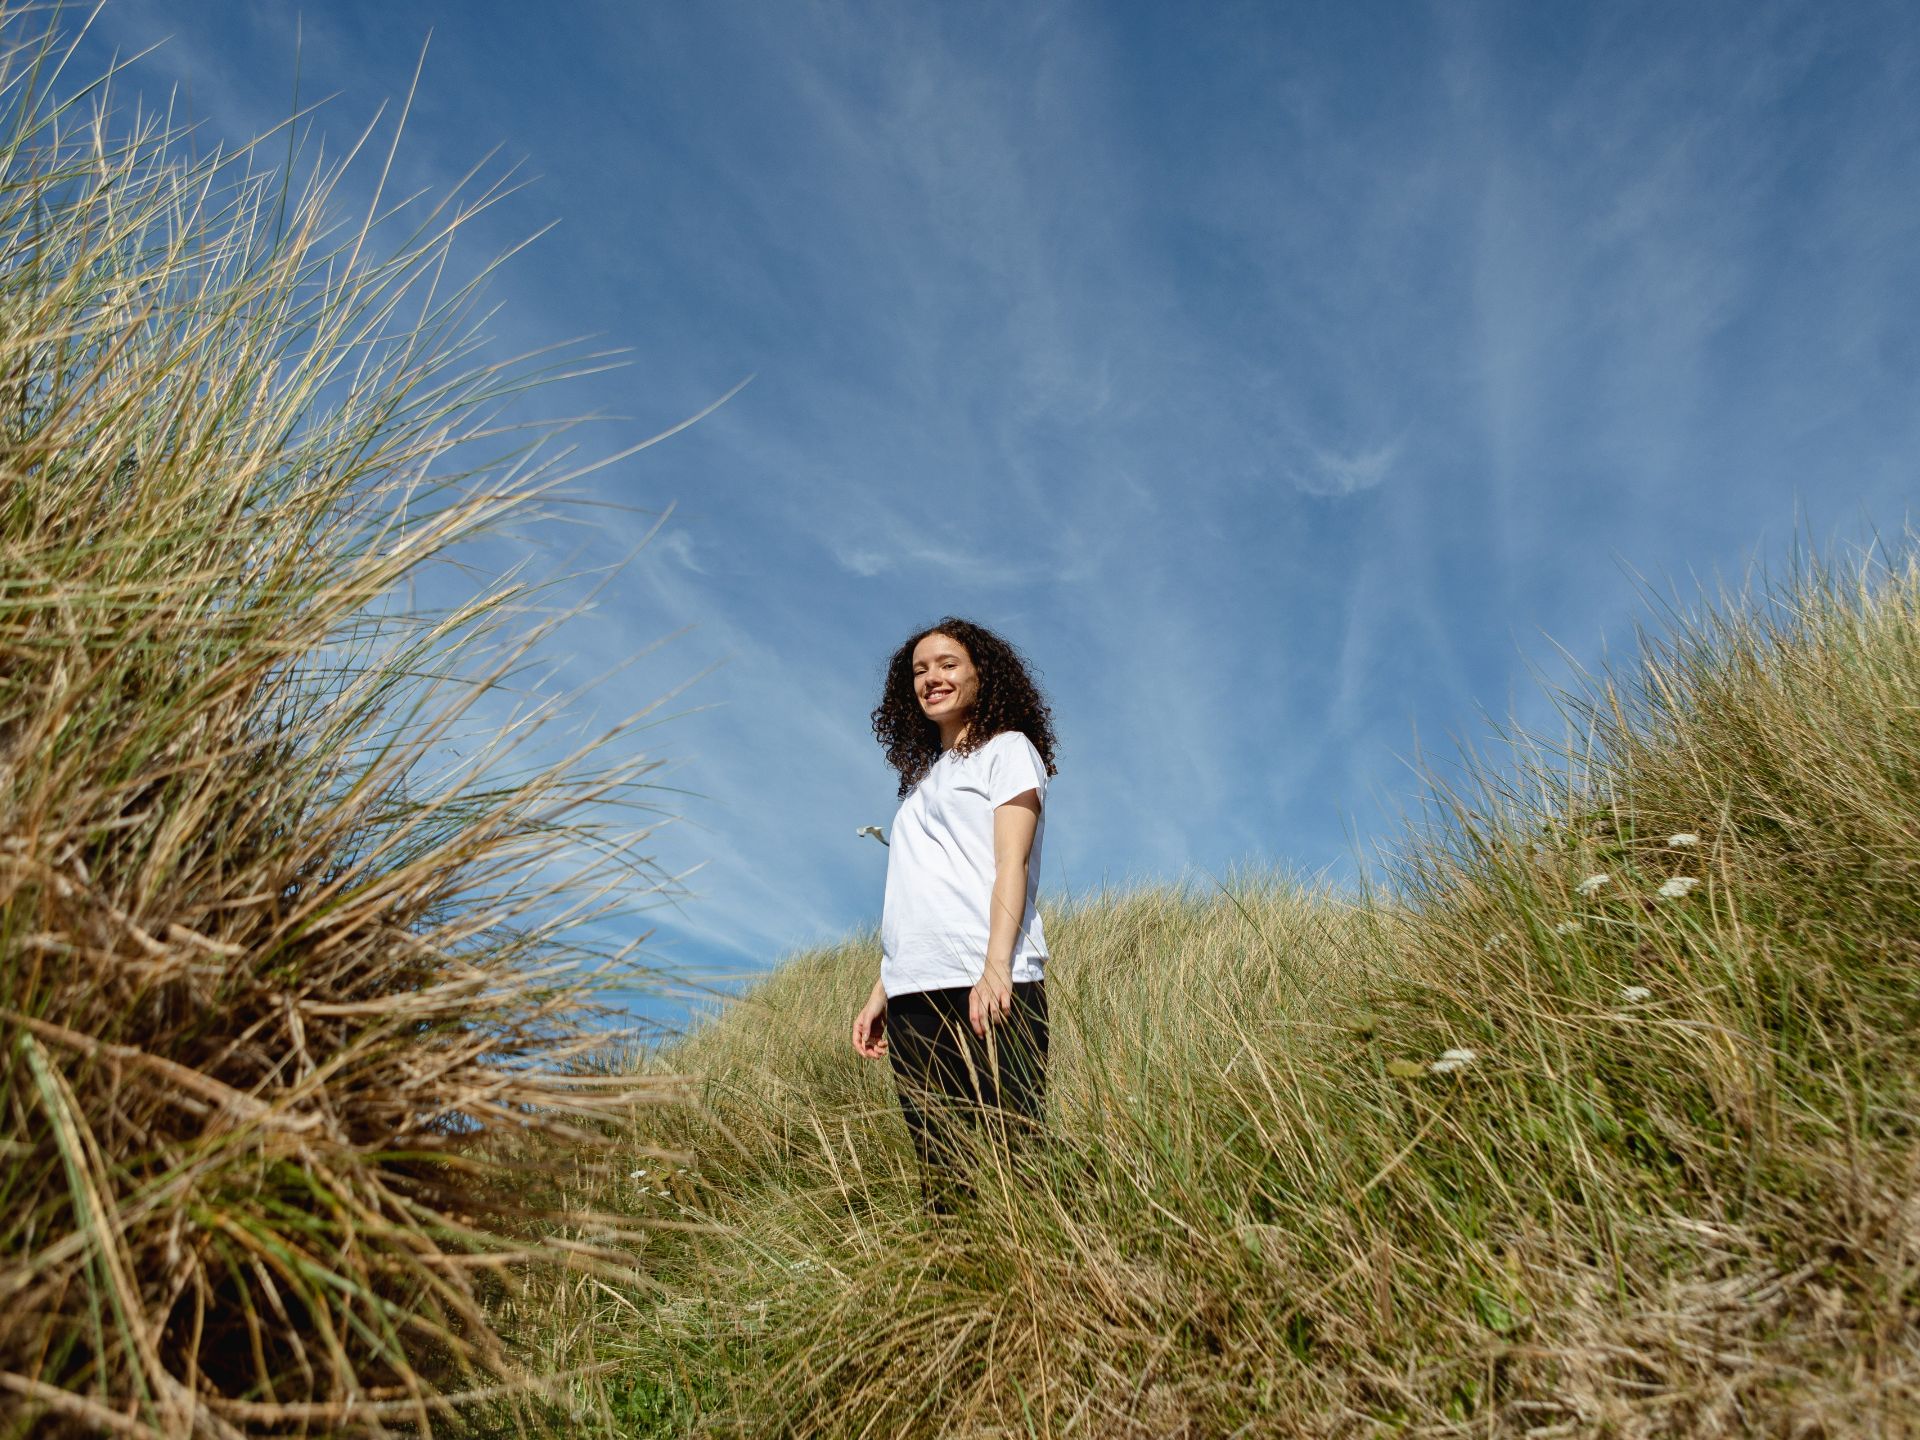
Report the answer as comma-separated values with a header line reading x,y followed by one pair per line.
x,y
1671,1193
266,975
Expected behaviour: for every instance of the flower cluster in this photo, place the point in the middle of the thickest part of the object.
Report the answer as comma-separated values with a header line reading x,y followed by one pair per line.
x,y
1676,887
640,1176
1449,1062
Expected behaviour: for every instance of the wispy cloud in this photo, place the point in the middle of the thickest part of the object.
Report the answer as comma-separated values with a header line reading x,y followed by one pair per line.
x,y
1326,472
680,545
1273,383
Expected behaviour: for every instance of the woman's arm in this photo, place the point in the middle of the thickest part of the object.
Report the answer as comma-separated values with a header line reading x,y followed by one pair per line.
x,y
870,1025
1014,824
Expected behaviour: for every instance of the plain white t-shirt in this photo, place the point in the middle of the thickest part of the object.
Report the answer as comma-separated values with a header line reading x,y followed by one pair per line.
x,y
935,923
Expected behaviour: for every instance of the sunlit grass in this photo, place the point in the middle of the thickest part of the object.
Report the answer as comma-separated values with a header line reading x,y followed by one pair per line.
x,y
1496,1148
269,976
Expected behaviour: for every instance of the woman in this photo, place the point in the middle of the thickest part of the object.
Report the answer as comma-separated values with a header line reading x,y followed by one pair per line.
x,y
961,1002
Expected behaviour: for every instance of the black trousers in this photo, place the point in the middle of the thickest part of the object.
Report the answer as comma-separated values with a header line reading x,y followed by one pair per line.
x,y
948,1077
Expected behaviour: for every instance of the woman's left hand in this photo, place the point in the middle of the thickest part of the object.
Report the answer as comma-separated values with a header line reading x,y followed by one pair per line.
x,y
991,1000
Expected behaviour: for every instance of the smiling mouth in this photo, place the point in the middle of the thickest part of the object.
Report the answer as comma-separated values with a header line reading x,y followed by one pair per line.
x,y
932,697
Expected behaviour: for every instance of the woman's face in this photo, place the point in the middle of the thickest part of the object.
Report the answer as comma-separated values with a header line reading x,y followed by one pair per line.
x,y
944,680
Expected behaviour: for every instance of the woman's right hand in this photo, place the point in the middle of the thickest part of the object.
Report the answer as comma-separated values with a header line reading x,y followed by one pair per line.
x,y
870,1026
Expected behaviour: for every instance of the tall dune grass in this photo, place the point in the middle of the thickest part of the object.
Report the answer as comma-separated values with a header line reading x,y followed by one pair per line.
x,y
1665,1183
267,974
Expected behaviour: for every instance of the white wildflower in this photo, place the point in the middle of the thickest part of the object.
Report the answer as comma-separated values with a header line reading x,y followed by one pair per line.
x,y
1592,883
1678,886
1495,941
1452,1060
1634,994
636,1175
1685,840
1566,927
873,830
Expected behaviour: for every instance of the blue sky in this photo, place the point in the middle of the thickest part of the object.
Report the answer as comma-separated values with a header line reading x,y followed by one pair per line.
x,y
1283,379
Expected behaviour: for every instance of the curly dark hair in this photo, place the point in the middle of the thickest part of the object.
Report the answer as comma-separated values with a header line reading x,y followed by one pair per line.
x,y
1008,700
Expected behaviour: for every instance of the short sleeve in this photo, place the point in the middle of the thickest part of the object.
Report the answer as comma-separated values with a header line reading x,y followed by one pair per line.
x,y
1014,766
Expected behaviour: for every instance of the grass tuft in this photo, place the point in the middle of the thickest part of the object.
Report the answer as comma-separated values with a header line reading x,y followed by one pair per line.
x,y
273,986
